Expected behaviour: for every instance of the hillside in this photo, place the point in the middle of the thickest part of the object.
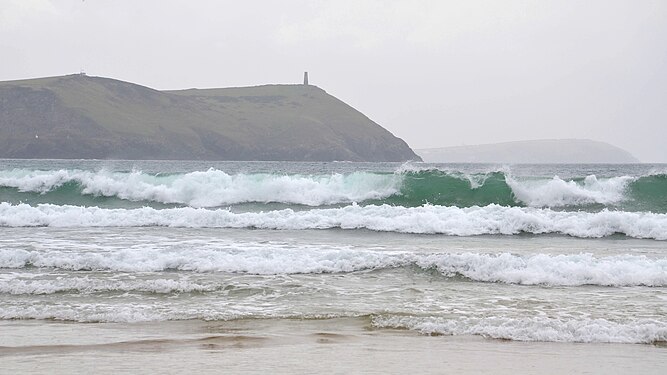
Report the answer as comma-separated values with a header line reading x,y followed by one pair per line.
x,y
527,152
78,116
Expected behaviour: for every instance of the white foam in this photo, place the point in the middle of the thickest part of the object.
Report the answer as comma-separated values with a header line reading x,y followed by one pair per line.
x,y
37,181
260,260
561,270
212,188
91,285
558,193
538,269
95,313
535,329
491,219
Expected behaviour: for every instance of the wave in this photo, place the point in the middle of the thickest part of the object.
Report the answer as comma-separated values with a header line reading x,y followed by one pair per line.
x,y
95,313
544,329
539,269
454,221
211,188
451,188
639,331
404,187
85,285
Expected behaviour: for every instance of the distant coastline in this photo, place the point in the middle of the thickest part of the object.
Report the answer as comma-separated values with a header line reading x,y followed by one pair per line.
x,y
546,151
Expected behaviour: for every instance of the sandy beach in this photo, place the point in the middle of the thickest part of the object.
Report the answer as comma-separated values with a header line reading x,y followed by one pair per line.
x,y
284,346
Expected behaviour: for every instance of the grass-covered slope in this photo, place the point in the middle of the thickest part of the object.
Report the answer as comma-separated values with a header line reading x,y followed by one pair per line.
x,y
90,117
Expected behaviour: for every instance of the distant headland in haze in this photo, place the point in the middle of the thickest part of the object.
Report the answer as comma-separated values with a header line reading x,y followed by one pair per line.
x,y
546,151
83,117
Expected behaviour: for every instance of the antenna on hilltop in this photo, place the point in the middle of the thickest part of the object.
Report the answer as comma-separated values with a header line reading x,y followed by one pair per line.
x,y
82,72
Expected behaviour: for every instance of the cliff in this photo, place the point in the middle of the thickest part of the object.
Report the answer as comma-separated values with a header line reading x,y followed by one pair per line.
x,y
78,116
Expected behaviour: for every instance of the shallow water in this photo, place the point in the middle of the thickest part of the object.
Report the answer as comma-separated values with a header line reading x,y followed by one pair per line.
x,y
127,257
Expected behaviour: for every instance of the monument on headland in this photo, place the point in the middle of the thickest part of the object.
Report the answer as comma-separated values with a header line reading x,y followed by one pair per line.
x,y
305,78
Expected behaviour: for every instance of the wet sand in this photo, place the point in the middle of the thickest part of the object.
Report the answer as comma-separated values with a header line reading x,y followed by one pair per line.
x,y
284,346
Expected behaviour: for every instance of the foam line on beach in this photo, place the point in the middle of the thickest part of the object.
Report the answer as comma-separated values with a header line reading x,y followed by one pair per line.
x,y
639,331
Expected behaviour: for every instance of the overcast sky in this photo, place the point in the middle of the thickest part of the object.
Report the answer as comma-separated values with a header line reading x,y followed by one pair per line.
x,y
435,73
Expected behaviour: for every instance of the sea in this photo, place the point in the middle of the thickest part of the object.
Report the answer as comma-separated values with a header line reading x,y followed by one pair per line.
x,y
274,260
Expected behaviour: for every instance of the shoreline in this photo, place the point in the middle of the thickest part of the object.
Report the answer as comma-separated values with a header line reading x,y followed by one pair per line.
x,y
284,346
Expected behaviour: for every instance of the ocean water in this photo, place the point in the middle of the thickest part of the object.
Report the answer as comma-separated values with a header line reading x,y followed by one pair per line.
x,y
529,253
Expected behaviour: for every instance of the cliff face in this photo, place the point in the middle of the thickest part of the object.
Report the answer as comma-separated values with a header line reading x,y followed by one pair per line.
x,y
531,152
89,117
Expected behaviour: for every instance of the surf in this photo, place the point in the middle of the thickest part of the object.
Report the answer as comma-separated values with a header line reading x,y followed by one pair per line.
x,y
427,219
581,330
259,259
407,187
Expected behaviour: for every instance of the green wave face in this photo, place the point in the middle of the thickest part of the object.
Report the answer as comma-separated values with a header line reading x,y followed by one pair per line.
x,y
71,193
648,193
254,192
453,189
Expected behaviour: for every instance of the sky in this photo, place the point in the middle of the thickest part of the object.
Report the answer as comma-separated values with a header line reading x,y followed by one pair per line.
x,y
435,73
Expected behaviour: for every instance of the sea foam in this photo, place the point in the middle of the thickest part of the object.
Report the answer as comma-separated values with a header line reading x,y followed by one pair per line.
x,y
491,219
211,188
534,329
538,269
86,285
558,192
408,186
580,330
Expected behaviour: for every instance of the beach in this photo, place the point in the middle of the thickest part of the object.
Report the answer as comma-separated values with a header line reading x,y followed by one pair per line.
x,y
331,267
338,346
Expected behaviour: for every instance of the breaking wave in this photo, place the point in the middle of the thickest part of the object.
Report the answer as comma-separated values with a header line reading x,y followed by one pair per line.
x,y
409,188
455,221
534,329
538,269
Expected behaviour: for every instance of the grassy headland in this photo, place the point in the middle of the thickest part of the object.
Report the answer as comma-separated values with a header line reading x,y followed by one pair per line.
x,y
78,116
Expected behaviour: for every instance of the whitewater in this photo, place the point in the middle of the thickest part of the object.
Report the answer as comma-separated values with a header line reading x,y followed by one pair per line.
x,y
406,185
492,219
527,253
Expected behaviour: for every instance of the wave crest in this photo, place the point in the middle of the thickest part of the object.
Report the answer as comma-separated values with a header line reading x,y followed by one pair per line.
x,y
539,269
454,221
406,187
534,329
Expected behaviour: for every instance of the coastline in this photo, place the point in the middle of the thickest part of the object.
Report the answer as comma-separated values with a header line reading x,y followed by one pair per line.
x,y
155,291
287,346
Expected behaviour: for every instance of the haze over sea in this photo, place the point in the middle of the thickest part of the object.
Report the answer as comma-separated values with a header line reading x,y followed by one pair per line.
x,y
228,255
